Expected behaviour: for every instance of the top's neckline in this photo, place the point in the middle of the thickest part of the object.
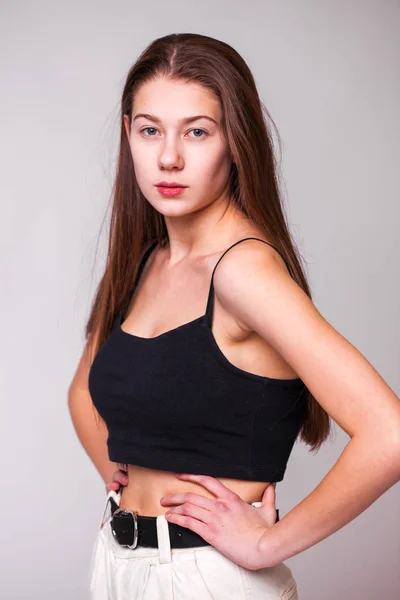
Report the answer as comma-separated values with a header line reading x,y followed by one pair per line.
x,y
285,382
205,320
206,317
122,315
160,335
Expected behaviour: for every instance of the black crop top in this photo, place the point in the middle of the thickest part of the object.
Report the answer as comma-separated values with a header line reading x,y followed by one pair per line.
x,y
175,402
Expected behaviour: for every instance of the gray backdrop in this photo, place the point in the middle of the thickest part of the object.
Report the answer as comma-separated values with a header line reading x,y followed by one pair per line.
x,y
328,72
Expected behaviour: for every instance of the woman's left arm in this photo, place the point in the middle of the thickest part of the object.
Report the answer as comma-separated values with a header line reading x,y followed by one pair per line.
x,y
364,471
267,300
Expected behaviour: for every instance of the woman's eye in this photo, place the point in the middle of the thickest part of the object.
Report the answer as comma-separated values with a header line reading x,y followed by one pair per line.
x,y
201,130
145,128
196,136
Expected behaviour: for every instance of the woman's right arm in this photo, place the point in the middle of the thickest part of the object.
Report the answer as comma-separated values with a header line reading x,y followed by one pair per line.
x,y
92,436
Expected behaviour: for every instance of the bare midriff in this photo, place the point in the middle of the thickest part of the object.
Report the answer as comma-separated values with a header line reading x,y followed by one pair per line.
x,y
146,487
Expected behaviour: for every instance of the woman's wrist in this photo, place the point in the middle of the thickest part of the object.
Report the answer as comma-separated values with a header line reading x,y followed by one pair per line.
x,y
267,553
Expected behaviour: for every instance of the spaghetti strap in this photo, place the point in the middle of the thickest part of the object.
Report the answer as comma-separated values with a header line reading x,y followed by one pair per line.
x,y
210,300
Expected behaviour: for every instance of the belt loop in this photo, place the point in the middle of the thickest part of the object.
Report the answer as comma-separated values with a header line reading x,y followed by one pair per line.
x,y
164,542
111,494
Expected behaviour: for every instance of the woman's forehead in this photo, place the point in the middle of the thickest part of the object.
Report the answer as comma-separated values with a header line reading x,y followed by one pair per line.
x,y
180,100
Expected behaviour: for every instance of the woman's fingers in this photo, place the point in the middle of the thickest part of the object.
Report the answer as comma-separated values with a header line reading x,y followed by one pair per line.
x,y
213,485
119,478
114,485
195,525
189,497
178,513
268,505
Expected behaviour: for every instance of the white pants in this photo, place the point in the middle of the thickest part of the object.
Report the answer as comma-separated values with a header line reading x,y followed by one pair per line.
x,y
197,573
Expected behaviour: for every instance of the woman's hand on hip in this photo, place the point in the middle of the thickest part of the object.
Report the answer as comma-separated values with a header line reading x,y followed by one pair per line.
x,y
232,526
120,477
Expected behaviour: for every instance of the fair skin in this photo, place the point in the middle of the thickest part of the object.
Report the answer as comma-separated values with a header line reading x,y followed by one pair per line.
x,y
283,337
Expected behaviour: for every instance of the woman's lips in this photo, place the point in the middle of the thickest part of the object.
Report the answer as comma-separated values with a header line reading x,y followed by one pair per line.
x,y
170,191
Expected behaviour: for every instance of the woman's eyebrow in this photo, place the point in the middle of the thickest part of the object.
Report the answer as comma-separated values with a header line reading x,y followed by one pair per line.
x,y
184,120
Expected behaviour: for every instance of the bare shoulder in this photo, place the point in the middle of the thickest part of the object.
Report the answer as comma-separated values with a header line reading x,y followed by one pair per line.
x,y
255,246
244,269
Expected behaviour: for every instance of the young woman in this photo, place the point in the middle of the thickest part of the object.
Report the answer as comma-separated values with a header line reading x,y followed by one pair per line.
x,y
206,357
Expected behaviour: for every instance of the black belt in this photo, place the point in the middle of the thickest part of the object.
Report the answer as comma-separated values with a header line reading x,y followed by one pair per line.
x,y
130,529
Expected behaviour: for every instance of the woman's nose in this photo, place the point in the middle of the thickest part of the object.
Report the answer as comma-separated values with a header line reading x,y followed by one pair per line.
x,y
171,156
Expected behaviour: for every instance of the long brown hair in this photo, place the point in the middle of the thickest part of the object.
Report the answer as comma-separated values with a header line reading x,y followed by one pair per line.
x,y
254,187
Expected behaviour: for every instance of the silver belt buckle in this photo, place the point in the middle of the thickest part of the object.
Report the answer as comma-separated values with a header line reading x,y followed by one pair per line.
x,y
135,527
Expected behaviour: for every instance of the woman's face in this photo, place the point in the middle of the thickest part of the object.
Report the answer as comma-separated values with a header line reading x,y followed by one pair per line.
x,y
166,148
